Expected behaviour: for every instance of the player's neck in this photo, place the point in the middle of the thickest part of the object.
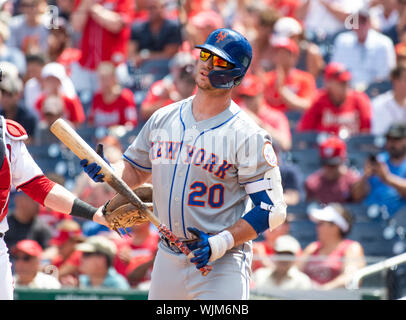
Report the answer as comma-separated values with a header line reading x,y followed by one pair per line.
x,y
206,106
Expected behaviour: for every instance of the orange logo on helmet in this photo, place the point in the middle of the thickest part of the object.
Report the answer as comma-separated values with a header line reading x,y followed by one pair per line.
x,y
221,36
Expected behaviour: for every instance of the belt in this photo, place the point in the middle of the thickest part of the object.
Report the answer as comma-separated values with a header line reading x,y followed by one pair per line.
x,y
171,246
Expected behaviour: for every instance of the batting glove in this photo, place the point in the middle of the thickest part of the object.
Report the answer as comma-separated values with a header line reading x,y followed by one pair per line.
x,y
93,168
201,249
209,248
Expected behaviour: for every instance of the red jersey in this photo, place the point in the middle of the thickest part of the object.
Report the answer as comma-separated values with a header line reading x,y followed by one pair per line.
x,y
52,217
276,119
325,191
329,267
99,44
156,92
145,250
160,91
119,112
74,259
73,108
287,8
272,117
68,56
302,83
354,114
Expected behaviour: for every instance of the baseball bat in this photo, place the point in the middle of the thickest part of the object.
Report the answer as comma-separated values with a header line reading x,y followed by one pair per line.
x,y
65,133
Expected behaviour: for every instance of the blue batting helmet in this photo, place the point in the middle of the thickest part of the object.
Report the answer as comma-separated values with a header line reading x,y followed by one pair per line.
x,y
232,47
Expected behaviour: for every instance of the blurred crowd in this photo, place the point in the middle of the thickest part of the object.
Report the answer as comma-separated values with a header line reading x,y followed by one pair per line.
x,y
324,73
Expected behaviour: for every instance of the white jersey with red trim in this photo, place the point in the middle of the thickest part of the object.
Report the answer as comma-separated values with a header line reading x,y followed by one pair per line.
x,y
18,162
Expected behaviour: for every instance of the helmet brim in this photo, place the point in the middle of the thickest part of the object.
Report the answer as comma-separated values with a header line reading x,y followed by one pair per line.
x,y
217,52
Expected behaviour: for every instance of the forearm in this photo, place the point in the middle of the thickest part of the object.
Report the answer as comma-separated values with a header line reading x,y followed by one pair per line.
x,y
338,282
60,199
242,232
302,10
336,11
354,261
108,19
396,182
79,17
131,175
293,101
220,243
360,189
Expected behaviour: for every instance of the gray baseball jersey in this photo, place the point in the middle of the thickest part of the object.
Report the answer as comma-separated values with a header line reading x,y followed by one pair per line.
x,y
199,168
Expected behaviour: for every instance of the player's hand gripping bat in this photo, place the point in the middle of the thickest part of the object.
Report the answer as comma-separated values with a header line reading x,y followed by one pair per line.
x,y
64,132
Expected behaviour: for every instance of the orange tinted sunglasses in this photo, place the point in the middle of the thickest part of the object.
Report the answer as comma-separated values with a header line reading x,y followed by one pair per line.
x,y
217,61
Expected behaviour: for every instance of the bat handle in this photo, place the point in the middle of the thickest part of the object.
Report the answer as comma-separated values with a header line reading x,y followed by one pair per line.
x,y
181,246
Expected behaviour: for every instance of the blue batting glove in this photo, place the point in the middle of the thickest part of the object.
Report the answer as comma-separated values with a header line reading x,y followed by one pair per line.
x,y
201,248
93,168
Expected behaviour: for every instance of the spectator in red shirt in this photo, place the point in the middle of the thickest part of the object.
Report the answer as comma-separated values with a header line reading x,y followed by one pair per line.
x,y
338,109
286,8
288,88
332,259
310,57
178,85
334,181
57,83
62,251
105,33
112,105
135,254
272,120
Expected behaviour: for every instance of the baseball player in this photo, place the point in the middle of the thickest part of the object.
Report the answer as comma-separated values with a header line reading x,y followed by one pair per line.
x,y
207,158
18,168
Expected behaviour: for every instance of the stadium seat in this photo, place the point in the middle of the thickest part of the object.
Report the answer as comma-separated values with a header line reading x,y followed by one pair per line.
x,y
298,211
399,217
301,210
308,160
129,137
359,211
49,165
367,231
304,231
371,236
305,139
86,98
378,248
366,143
356,160
151,71
360,147
293,118
377,88
43,136
45,151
